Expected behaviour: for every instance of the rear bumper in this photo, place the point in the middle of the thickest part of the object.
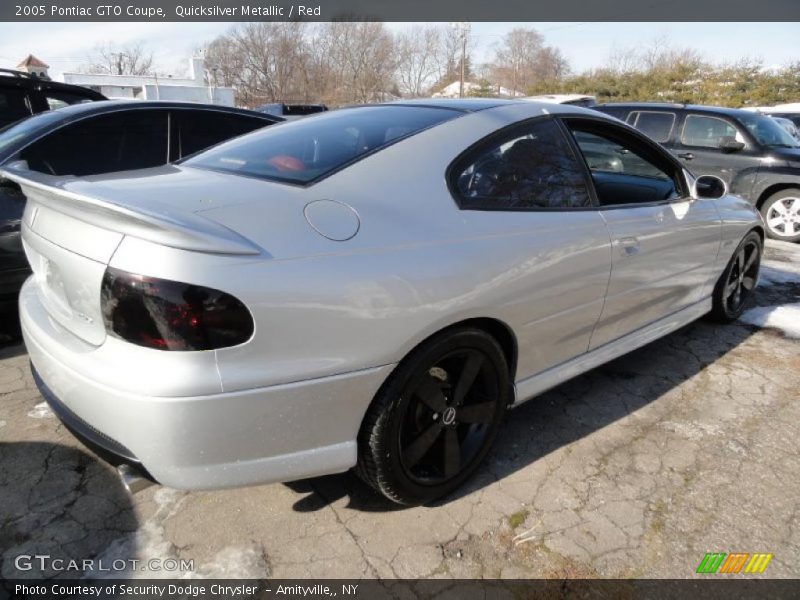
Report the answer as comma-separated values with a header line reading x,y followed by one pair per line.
x,y
198,441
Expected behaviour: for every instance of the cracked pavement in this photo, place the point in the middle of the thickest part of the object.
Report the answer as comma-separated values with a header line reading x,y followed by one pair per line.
x,y
636,469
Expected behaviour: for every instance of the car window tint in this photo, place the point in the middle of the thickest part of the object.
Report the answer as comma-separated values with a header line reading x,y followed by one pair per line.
x,y
657,125
119,141
13,105
622,171
707,132
199,129
532,168
307,149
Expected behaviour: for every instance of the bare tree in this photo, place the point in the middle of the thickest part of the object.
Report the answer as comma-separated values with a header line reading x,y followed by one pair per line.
x,y
360,60
419,53
522,61
449,57
111,59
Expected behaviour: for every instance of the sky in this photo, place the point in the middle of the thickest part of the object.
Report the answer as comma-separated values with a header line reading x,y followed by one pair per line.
x,y
65,46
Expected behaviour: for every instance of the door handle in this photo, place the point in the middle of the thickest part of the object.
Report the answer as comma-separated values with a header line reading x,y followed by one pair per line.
x,y
686,155
628,246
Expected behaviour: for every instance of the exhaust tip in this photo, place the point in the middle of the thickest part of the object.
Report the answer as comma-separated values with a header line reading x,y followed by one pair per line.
x,y
132,479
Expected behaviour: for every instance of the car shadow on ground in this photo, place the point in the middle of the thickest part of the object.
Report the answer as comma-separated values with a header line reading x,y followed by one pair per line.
x,y
10,332
563,415
58,501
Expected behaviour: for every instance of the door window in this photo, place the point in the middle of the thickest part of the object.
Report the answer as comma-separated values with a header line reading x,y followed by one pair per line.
x,y
708,132
531,168
119,141
624,169
657,125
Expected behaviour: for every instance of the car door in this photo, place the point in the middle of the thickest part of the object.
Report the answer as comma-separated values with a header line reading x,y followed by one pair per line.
x,y
116,141
698,148
663,244
195,130
525,193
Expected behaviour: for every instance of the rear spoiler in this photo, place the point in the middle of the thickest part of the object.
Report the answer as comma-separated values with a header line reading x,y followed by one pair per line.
x,y
182,230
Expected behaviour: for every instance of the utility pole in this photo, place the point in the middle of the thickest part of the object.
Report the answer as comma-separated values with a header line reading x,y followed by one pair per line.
x,y
463,29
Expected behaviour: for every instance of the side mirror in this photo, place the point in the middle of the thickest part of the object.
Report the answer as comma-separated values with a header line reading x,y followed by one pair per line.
x,y
709,187
729,144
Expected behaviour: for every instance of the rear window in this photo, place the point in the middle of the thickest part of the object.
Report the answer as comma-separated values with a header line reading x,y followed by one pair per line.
x,y
306,150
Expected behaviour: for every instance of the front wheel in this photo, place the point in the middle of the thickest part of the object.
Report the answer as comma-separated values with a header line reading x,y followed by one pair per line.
x,y
781,213
735,286
435,418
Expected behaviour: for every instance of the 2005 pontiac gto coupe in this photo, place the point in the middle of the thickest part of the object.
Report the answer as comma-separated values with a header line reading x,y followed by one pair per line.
x,y
368,288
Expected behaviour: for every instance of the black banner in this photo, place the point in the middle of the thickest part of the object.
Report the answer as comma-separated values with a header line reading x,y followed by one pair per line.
x,y
404,10
709,588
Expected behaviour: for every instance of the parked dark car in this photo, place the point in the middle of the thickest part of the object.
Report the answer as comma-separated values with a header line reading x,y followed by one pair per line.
x,y
103,137
751,152
22,95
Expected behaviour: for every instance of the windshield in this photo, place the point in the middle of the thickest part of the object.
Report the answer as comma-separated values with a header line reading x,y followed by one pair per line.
x,y
17,134
305,150
767,132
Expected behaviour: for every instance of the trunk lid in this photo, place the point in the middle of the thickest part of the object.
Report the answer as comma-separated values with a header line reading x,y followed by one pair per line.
x,y
72,227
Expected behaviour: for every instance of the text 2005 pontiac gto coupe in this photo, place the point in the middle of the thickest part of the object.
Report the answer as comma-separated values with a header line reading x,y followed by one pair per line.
x,y
371,288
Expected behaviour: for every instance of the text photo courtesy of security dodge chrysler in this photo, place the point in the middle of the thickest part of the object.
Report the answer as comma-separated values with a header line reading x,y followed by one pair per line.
x,y
368,288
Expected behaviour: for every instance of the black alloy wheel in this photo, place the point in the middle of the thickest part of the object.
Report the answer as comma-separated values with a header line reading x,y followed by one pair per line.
x,y
435,417
735,287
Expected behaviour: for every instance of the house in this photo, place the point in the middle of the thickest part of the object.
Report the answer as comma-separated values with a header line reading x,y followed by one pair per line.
x,y
34,67
155,87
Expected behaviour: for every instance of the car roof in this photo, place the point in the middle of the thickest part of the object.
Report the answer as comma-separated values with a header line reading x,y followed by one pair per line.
x,y
102,106
26,80
719,110
461,104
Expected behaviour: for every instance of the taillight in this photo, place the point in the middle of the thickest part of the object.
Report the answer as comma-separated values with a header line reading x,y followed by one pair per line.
x,y
170,315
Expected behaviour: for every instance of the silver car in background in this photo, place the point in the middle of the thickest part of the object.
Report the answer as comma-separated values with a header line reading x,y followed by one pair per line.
x,y
370,288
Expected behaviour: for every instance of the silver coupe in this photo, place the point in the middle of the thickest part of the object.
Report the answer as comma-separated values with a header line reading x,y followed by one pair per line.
x,y
369,288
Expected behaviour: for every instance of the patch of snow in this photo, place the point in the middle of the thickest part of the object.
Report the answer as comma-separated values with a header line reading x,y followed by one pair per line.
x,y
785,318
41,411
150,542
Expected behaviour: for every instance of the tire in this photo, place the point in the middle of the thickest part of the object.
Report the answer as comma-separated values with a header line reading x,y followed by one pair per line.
x,y
781,213
735,287
415,444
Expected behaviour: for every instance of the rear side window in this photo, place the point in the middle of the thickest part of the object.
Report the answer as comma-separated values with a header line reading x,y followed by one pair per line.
x,y
306,150
707,132
199,129
657,125
532,167
135,139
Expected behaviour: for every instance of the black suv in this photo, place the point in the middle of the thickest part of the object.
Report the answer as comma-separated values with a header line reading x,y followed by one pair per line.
x,y
22,95
753,154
